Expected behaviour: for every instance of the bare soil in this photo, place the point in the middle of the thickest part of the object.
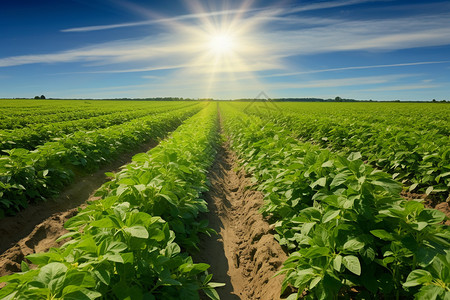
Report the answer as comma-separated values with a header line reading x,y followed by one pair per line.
x,y
36,228
245,256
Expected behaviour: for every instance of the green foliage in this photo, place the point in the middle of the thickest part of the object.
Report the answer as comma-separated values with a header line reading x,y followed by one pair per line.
x,y
411,143
30,176
36,134
344,222
127,244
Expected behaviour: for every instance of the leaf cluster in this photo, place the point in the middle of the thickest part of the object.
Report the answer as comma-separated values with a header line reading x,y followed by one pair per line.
x,y
344,223
127,244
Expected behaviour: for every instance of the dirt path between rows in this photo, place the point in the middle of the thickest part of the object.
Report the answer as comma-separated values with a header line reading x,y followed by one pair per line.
x,y
245,256
36,228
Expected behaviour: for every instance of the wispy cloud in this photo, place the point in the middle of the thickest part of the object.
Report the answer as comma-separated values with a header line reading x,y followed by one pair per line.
x,y
367,35
261,50
119,51
339,82
341,36
330,4
269,13
154,21
357,68
402,87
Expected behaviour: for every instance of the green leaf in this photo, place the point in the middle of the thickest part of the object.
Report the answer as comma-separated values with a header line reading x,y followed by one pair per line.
x,y
24,266
185,169
137,231
418,277
140,157
327,164
425,256
429,190
314,282
432,292
353,245
215,284
43,258
53,275
339,179
431,216
319,182
413,186
302,277
126,181
389,185
354,156
293,296
114,257
103,275
316,251
170,281
68,235
352,264
330,215
419,225
82,294
212,294
337,262
116,247
383,234
200,267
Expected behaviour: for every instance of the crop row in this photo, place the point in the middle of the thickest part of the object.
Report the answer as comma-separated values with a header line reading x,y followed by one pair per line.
x,y
127,244
52,111
28,176
36,118
36,134
418,158
419,116
348,231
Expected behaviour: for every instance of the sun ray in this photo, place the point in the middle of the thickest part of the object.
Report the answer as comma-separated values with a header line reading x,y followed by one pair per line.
x,y
216,45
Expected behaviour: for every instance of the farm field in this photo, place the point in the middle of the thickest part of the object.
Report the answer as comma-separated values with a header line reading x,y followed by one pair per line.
x,y
327,195
50,150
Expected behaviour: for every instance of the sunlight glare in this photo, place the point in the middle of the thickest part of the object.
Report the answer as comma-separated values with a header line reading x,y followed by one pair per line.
x,y
222,44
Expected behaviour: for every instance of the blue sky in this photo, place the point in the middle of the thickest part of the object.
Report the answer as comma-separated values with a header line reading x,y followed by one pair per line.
x,y
361,49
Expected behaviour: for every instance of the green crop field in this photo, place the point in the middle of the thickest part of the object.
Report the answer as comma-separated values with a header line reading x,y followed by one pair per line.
x,y
356,194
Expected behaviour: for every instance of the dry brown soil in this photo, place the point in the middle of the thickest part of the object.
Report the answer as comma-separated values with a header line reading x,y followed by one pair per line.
x,y
245,256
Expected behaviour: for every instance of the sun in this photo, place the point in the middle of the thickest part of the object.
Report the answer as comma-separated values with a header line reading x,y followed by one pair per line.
x,y
222,44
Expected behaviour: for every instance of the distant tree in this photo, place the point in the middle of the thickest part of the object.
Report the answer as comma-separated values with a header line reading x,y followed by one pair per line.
x,y
434,100
37,97
338,99
42,97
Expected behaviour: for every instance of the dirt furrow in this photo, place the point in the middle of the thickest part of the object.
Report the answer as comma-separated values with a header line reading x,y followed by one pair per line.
x,y
245,255
36,228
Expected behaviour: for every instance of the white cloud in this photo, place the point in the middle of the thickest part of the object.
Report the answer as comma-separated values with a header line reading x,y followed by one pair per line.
x,y
261,49
329,4
154,21
356,68
269,13
402,87
368,35
339,82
